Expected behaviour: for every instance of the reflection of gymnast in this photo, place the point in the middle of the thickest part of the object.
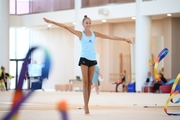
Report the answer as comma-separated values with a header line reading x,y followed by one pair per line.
x,y
123,82
88,54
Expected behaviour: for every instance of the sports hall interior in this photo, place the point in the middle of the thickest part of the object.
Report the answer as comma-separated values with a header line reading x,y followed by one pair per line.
x,y
151,25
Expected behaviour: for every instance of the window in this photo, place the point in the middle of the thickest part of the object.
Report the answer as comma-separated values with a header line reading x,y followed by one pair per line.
x,y
19,46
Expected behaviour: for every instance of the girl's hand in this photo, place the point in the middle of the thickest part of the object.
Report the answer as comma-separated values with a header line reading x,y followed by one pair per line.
x,y
46,20
128,41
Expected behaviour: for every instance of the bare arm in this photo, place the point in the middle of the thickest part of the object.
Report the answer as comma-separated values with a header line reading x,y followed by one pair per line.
x,y
75,32
97,34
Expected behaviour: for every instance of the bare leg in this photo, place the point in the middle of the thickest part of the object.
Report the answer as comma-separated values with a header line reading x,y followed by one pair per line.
x,y
87,73
124,86
2,86
90,76
97,89
6,87
92,86
84,70
9,85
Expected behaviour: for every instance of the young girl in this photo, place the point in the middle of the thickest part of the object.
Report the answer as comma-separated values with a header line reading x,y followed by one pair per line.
x,y
95,79
2,78
88,55
7,81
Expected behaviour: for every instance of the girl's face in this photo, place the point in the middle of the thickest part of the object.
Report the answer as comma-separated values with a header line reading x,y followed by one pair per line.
x,y
87,24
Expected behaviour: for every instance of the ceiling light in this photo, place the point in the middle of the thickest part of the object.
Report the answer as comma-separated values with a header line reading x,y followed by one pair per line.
x,y
133,18
168,14
103,20
23,28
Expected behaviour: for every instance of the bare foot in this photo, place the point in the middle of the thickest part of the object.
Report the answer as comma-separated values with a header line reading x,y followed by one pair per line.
x,y
86,110
87,114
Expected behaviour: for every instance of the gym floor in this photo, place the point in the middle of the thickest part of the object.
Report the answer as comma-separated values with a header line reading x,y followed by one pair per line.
x,y
42,105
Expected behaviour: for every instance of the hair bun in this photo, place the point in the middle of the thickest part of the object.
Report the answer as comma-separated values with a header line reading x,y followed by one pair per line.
x,y
85,16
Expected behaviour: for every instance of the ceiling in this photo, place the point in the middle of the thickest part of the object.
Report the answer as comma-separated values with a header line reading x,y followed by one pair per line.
x,y
117,20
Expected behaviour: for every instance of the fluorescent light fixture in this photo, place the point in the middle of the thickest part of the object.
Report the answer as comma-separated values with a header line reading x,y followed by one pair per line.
x,y
103,20
49,25
168,14
23,28
133,18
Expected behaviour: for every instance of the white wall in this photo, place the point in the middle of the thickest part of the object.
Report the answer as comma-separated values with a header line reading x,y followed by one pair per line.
x,y
60,44
157,7
128,10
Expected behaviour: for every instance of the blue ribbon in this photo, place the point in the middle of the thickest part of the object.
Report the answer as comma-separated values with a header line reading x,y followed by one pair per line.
x,y
45,74
162,54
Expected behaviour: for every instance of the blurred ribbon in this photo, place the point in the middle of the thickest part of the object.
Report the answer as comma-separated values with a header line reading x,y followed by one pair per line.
x,y
19,97
62,107
174,91
161,55
175,87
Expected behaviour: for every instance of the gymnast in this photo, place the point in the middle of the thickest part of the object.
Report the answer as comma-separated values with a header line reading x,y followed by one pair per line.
x,y
95,80
2,78
87,60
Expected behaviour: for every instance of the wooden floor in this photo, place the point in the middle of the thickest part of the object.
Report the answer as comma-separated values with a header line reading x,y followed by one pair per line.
x,y
42,105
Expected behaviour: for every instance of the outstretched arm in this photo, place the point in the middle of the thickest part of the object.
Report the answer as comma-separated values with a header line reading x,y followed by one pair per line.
x,y
75,32
97,34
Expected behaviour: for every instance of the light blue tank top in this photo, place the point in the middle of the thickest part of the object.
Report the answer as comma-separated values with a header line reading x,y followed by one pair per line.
x,y
88,43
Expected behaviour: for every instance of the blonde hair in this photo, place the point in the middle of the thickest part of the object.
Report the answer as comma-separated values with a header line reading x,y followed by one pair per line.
x,y
85,17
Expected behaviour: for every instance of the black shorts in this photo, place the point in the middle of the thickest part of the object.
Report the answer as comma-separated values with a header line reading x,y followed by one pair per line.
x,y
1,77
89,63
